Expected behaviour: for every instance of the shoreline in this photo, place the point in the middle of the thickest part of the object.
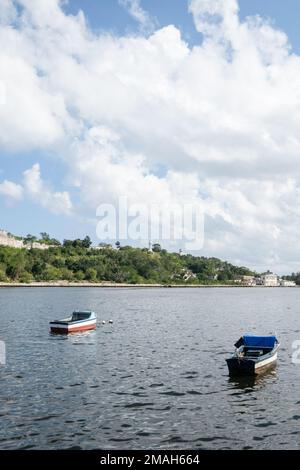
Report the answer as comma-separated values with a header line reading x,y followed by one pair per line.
x,y
122,285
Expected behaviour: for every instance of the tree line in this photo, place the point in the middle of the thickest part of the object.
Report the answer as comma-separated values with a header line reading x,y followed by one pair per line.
x,y
77,260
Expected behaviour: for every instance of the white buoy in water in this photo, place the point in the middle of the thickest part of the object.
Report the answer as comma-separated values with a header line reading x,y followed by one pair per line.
x,y
110,321
103,322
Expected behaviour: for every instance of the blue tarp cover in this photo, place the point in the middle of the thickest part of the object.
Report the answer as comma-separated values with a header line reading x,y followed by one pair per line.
x,y
260,341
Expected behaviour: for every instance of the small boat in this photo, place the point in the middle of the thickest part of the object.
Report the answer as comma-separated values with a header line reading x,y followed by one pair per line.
x,y
253,355
79,321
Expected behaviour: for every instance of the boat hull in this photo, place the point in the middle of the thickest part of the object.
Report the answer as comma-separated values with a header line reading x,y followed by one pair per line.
x,y
66,328
244,366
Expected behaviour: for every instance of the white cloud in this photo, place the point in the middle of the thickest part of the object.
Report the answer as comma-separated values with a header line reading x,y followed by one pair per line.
x,y
36,189
156,120
139,14
11,190
110,171
215,17
7,11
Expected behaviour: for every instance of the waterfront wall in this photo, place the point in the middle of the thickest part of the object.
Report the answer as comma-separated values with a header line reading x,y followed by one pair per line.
x,y
9,240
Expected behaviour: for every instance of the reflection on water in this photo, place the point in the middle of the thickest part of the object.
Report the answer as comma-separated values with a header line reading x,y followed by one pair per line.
x,y
254,381
155,378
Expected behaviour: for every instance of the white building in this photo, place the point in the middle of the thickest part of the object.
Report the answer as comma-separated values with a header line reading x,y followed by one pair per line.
x,y
248,281
285,283
269,279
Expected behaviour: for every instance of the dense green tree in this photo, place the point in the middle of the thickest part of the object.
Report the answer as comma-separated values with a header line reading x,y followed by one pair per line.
x,y
3,277
91,274
15,264
38,268
156,247
79,276
55,242
51,274
86,242
45,237
25,277
76,260
68,243
30,239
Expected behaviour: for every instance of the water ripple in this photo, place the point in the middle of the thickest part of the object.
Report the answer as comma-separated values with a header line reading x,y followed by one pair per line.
x,y
157,379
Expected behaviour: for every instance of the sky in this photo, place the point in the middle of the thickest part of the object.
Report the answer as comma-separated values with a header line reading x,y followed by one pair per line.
x,y
173,101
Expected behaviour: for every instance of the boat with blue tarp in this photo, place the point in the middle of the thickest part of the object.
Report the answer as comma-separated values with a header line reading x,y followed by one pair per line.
x,y
253,355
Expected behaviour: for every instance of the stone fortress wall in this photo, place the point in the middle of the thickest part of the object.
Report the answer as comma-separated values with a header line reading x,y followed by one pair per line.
x,y
9,240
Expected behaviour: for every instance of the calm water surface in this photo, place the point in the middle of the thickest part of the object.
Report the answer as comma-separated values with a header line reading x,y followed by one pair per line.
x,y
156,378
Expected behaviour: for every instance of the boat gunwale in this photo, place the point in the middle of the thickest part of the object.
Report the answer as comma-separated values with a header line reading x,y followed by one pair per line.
x,y
75,322
69,321
256,360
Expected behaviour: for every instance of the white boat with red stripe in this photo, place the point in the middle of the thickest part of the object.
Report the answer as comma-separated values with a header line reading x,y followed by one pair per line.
x,y
82,320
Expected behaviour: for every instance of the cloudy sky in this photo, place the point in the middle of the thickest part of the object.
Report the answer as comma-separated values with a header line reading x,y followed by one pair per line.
x,y
170,100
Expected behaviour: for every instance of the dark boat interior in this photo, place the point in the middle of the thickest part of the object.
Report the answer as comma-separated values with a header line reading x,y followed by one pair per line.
x,y
255,352
80,316
76,316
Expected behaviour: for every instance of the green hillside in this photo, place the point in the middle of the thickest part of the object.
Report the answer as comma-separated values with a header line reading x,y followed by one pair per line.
x,y
76,260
